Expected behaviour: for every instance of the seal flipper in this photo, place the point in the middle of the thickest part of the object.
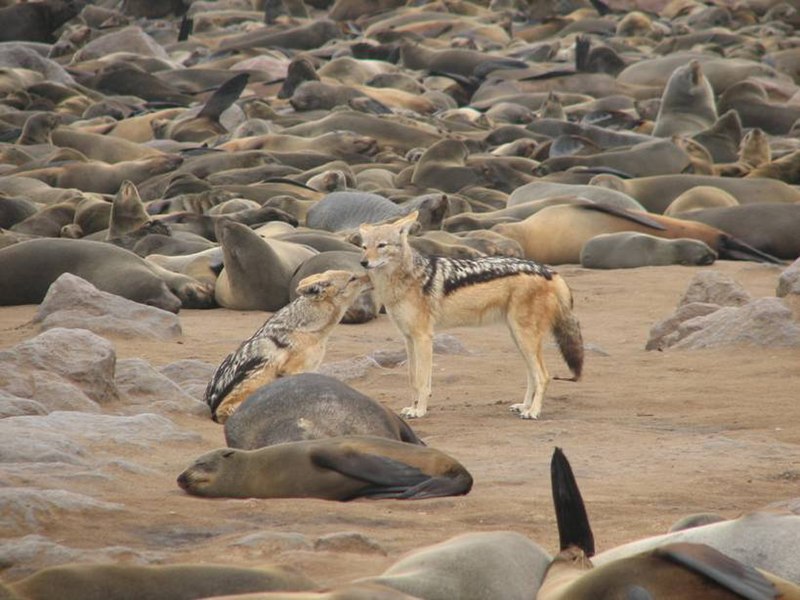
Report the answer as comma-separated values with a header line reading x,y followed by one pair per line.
x,y
225,95
729,573
573,522
389,477
735,249
632,215
436,487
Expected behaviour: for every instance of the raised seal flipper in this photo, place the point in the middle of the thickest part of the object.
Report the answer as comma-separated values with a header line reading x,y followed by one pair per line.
x,y
224,96
573,522
741,579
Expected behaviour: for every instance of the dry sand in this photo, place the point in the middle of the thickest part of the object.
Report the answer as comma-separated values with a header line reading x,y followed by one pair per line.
x,y
652,436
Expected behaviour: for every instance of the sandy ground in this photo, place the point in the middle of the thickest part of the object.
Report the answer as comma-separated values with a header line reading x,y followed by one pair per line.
x,y
652,436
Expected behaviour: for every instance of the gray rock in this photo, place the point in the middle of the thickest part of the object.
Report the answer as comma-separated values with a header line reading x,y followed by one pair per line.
x,y
23,510
24,555
67,433
14,406
80,357
191,375
667,332
348,542
140,384
765,322
270,543
349,369
789,280
73,302
713,287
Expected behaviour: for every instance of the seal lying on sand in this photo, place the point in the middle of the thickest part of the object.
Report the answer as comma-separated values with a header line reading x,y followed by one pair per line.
x,y
310,406
160,582
340,468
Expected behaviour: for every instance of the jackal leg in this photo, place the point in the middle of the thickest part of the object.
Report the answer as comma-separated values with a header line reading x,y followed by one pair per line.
x,y
529,343
420,365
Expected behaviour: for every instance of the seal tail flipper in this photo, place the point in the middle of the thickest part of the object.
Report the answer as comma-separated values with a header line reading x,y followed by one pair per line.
x,y
735,249
224,96
741,579
573,522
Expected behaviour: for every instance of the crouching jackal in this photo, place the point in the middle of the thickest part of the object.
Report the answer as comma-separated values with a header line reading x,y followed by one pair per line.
x,y
291,341
420,292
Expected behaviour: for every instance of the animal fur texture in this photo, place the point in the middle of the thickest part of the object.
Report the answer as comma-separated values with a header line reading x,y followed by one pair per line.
x,y
291,341
420,292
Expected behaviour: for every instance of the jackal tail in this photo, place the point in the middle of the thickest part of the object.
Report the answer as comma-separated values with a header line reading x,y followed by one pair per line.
x,y
567,331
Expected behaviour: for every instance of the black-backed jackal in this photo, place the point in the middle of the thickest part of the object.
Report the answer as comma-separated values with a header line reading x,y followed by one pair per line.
x,y
420,292
291,341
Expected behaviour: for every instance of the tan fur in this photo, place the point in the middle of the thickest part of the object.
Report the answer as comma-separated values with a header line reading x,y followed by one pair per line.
x,y
531,305
292,340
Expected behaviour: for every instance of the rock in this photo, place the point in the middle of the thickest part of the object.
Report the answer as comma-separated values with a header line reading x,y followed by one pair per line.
x,y
141,385
78,356
712,287
766,322
23,510
24,555
72,302
191,375
349,369
270,543
789,280
14,406
348,542
667,332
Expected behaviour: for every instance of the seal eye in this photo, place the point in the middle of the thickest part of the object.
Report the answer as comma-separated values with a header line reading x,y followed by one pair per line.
x,y
227,453
382,244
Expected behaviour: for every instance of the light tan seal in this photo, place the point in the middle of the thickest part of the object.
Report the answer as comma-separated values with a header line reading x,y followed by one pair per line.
x,y
158,582
340,468
698,198
687,104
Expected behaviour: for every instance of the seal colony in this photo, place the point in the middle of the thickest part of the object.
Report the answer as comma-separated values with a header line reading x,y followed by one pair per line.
x,y
206,159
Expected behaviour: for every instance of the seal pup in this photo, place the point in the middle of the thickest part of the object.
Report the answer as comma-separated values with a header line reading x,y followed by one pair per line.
x,y
687,104
257,271
630,249
682,571
310,406
341,468
698,198
152,582
291,341
420,292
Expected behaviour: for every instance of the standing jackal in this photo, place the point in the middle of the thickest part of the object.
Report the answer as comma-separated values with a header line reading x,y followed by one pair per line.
x,y
291,341
420,292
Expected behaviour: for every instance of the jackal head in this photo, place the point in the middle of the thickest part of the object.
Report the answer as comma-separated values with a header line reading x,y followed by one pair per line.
x,y
385,244
341,286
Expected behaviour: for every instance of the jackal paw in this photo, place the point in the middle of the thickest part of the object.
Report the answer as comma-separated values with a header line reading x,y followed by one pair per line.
x,y
524,413
411,412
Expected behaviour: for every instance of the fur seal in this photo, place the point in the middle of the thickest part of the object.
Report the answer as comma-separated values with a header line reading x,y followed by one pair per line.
x,y
443,166
656,193
762,539
750,100
630,249
291,341
683,571
341,468
687,104
470,566
36,21
257,272
310,406
557,234
152,582
363,307
697,198
28,268
771,228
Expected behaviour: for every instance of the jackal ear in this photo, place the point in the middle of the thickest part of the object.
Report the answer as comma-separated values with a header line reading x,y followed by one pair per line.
x,y
312,289
407,223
